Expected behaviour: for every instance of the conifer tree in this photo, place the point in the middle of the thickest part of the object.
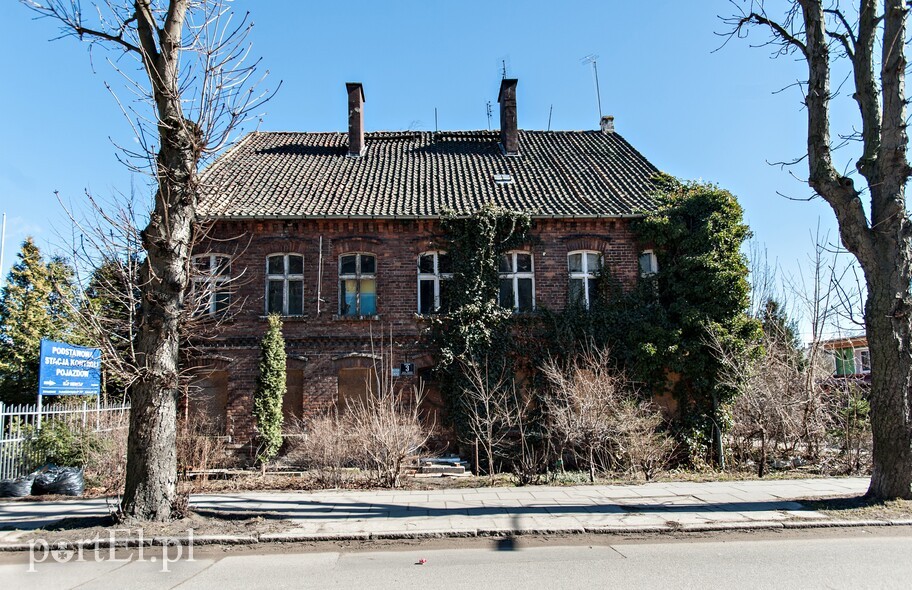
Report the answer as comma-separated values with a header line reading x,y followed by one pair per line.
x,y
270,391
34,304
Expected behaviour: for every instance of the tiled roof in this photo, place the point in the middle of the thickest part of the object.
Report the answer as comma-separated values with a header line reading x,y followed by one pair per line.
x,y
423,174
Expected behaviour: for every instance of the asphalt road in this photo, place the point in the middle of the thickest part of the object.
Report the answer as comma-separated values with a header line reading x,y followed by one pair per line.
x,y
833,559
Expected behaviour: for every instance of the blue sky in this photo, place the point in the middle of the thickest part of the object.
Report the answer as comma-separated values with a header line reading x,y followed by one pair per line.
x,y
693,112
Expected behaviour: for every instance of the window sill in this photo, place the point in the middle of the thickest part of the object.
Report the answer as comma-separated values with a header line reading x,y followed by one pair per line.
x,y
356,318
289,318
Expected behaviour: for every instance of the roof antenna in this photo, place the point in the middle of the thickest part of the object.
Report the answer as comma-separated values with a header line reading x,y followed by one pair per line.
x,y
436,128
551,110
592,59
504,62
488,108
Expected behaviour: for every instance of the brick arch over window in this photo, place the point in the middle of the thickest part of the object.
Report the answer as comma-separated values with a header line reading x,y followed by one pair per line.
x,y
355,244
593,243
288,246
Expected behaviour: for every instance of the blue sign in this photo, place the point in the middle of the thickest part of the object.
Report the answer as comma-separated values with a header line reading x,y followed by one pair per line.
x,y
69,370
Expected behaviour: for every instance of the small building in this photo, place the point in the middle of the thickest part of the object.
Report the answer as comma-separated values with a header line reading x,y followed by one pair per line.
x,y
339,233
849,357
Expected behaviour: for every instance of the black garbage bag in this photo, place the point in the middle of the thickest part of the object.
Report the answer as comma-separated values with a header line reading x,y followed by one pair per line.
x,y
65,481
16,488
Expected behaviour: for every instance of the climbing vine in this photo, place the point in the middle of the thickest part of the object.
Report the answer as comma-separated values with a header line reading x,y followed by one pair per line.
x,y
474,330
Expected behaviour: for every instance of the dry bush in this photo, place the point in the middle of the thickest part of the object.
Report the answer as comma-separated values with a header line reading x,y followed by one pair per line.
x,y
387,429
781,408
324,443
489,403
106,463
593,410
639,441
199,446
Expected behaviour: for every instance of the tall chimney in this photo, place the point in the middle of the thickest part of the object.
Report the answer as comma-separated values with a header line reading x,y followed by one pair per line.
x,y
509,134
355,118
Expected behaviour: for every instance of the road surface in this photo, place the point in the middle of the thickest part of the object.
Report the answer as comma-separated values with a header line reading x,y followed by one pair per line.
x,y
871,558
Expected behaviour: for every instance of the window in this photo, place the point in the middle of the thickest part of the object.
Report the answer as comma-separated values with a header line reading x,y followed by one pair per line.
x,y
285,284
211,276
357,284
584,267
649,265
517,281
863,360
434,270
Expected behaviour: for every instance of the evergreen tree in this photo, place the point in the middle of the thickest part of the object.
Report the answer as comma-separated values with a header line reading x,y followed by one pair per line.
x,y
35,303
270,391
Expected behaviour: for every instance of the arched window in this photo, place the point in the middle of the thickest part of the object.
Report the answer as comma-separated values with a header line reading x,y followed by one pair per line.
x,y
517,281
434,270
285,284
357,284
211,276
584,267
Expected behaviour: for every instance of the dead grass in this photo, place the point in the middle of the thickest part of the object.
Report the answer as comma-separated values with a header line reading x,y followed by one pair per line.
x,y
861,508
202,523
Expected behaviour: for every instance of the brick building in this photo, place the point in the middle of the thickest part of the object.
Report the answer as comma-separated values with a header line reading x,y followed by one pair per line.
x,y
339,233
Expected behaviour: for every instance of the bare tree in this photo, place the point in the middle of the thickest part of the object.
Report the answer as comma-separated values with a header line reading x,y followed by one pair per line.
x,y
197,84
821,33
488,404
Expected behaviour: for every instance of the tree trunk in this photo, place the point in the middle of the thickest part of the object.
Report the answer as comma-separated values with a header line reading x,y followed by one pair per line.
x,y
151,477
888,329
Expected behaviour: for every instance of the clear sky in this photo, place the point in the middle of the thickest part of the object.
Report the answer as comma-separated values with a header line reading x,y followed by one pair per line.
x,y
695,113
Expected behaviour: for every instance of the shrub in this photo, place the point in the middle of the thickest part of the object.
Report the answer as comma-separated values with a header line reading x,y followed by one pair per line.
x,y
62,442
199,446
326,444
387,429
594,412
270,390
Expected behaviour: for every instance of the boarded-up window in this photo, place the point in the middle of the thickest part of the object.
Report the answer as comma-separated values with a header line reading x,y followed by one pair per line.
x,y
293,402
208,399
354,386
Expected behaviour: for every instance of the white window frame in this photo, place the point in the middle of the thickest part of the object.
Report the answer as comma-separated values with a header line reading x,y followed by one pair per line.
x,y
286,278
653,262
859,365
586,274
211,283
437,277
515,276
358,277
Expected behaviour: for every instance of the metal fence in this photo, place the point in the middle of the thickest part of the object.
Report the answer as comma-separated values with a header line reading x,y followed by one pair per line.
x,y
18,422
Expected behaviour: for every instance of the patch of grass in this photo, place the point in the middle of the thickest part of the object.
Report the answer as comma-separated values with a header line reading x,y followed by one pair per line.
x,y
861,508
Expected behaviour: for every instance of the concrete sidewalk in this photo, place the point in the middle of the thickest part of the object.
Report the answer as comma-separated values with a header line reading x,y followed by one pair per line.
x,y
343,514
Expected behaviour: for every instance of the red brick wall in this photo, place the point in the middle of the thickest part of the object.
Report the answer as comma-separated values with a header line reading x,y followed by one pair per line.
x,y
320,344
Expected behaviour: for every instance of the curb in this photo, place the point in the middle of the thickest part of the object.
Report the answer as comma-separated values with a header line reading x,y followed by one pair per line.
x,y
109,543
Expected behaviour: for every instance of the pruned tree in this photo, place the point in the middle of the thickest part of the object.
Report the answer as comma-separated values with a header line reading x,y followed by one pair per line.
x,y
196,85
874,224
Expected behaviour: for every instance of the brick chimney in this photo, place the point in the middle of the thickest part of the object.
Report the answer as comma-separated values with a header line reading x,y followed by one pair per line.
x,y
509,134
607,124
355,118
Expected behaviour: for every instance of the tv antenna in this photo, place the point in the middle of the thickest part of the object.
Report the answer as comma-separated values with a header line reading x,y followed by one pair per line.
x,y
593,59
504,64
550,111
488,108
